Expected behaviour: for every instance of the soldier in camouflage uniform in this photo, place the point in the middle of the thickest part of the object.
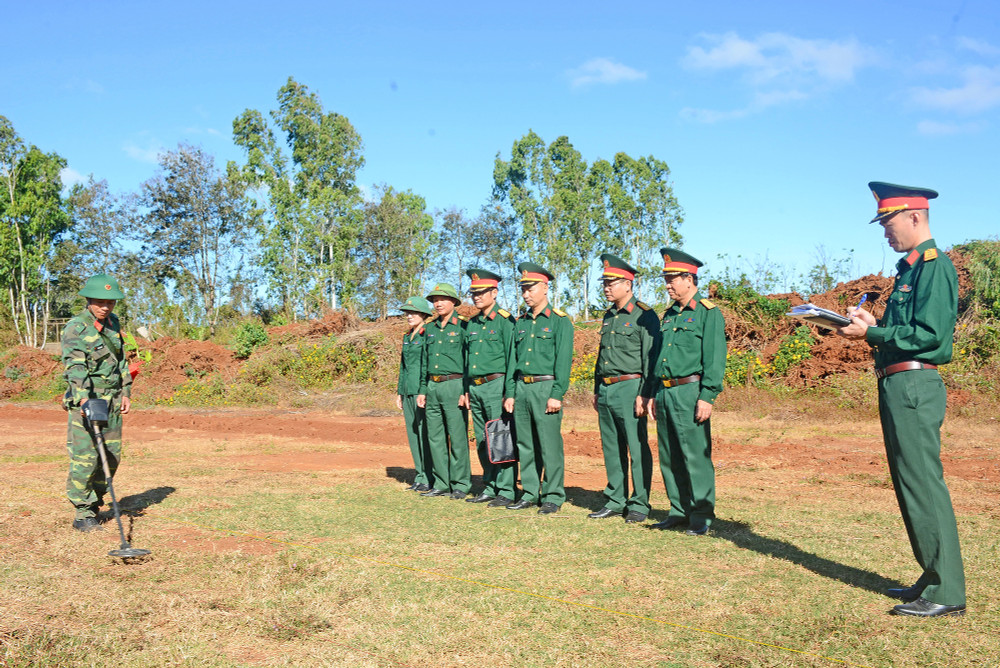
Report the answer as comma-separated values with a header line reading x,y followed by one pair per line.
x,y
93,353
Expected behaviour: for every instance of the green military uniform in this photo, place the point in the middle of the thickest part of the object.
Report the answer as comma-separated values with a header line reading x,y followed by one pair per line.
x,y
408,387
95,367
630,336
487,356
918,326
442,382
539,371
693,344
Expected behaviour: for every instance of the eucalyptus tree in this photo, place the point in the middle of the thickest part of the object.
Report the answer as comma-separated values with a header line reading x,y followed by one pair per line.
x,y
32,217
307,183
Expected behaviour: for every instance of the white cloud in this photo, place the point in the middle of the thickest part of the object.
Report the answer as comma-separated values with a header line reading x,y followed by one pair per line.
x,y
603,71
70,177
777,68
148,154
978,46
980,91
936,128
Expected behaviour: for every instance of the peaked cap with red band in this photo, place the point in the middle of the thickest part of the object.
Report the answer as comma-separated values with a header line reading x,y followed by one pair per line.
x,y
678,262
533,273
892,199
482,279
615,267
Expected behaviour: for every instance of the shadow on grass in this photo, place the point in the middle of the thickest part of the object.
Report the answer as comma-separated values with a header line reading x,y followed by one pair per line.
x,y
135,504
741,535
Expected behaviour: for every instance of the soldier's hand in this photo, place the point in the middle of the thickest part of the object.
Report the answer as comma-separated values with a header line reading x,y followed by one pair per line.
x,y
702,411
399,401
594,402
864,315
553,406
422,400
463,401
651,408
640,407
508,404
126,405
856,330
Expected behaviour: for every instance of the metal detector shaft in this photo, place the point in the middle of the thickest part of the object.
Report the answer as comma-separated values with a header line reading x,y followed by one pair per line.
x,y
99,437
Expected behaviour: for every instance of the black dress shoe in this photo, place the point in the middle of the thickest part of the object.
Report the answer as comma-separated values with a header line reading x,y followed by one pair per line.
x,y
87,524
670,523
909,594
422,487
924,608
520,505
634,518
604,512
412,488
499,501
548,509
458,495
697,530
482,498
435,492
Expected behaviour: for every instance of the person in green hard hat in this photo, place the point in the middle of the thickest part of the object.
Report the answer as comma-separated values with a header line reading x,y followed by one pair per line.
x,y
442,395
93,354
914,336
690,366
536,382
623,375
416,310
488,353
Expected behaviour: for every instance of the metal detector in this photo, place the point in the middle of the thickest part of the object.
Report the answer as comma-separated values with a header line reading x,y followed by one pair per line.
x,y
96,412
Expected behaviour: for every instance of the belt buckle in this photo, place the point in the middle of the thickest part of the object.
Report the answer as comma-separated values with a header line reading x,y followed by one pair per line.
x,y
478,381
668,382
436,379
606,380
528,379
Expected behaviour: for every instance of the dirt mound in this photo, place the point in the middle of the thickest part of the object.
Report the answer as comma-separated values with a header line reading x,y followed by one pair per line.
x,y
175,361
334,322
22,368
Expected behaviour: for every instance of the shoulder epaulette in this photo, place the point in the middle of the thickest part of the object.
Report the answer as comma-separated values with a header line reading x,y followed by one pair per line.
x,y
559,313
707,303
644,306
503,313
930,254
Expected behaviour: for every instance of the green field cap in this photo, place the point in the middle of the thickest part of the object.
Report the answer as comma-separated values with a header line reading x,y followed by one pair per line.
x,y
444,290
417,305
102,286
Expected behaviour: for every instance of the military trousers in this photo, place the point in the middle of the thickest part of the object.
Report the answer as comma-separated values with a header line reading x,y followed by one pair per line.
x,y
448,437
912,407
416,434
624,437
86,484
685,449
486,403
539,444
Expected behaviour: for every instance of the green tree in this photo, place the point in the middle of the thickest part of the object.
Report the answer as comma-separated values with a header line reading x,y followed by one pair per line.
x,y
196,227
32,218
310,195
827,271
396,250
495,246
455,245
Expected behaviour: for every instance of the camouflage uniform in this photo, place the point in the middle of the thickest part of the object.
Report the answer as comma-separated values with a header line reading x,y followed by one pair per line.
x,y
94,357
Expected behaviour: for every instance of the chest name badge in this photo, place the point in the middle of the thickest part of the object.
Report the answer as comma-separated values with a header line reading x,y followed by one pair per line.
x,y
905,288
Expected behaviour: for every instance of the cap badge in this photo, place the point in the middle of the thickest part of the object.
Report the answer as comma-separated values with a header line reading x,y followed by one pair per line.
x,y
666,258
475,277
107,286
607,264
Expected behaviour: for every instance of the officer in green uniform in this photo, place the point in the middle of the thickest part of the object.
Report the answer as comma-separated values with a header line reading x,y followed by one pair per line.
x,y
536,382
93,353
487,356
623,374
690,366
442,395
416,309
911,339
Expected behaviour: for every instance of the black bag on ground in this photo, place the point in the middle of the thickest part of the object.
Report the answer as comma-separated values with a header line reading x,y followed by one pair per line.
x,y
500,444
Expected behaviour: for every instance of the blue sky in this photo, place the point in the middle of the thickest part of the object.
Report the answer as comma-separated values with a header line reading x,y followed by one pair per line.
x,y
773,116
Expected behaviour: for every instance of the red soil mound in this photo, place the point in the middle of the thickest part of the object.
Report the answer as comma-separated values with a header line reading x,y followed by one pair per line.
x,y
176,361
24,368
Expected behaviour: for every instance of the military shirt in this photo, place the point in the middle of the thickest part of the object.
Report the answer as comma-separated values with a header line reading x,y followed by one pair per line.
x,y
94,358
693,341
543,346
919,320
444,346
409,362
487,342
629,338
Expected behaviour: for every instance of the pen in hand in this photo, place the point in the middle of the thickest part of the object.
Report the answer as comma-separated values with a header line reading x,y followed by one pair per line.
x,y
857,308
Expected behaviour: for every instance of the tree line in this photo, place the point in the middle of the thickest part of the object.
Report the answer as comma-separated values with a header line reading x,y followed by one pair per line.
x,y
288,233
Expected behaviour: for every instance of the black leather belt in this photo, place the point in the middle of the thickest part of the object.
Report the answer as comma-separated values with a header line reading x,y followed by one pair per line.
x,y
450,376
674,382
479,380
909,365
535,379
611,380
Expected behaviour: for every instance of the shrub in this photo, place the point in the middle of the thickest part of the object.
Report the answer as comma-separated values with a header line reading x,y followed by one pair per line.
x,y
744,367
249,335
581,374
793,349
